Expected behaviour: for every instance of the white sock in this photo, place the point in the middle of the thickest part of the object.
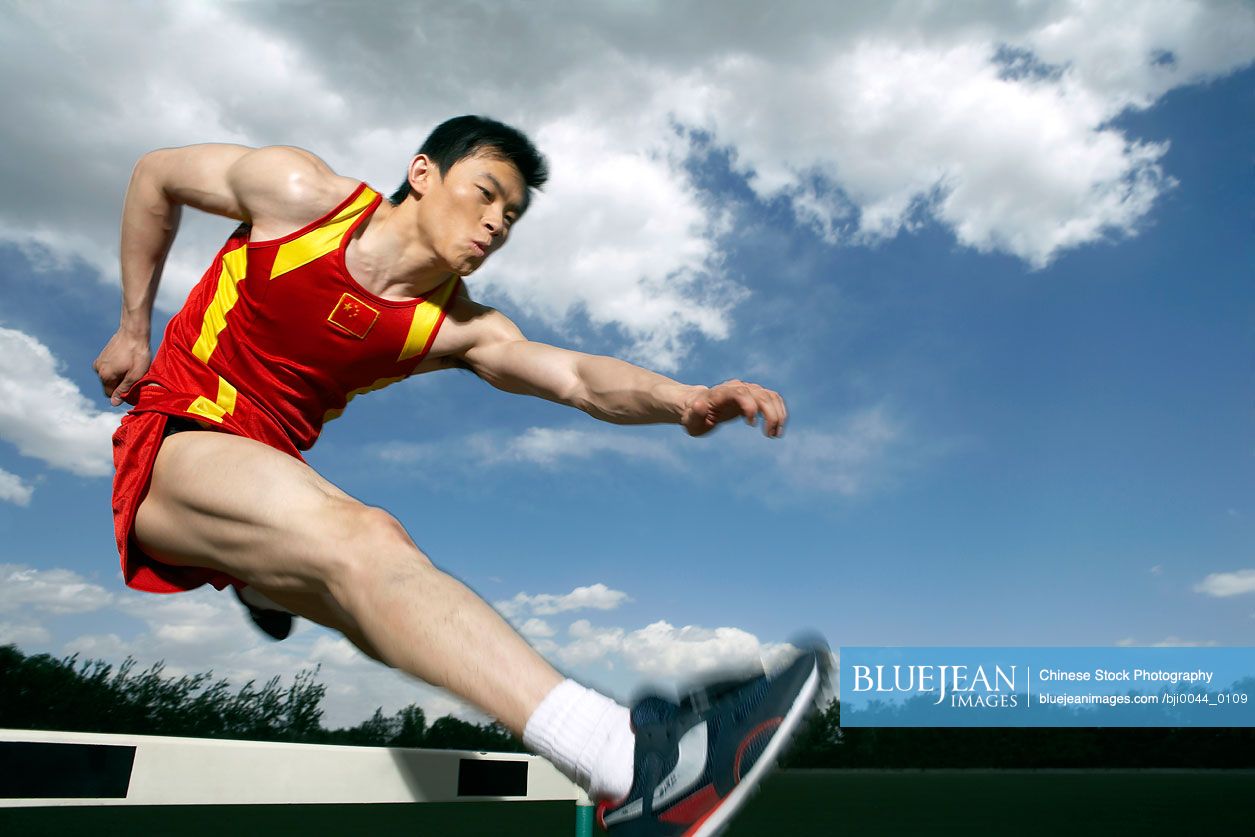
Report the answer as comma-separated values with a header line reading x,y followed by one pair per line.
x,y
587,736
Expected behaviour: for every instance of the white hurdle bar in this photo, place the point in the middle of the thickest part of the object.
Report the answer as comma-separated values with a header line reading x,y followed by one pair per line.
x,y
159,770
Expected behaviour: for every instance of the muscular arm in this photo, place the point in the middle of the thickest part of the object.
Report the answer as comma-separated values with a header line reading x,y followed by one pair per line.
x,y
278,187
607,388
161,183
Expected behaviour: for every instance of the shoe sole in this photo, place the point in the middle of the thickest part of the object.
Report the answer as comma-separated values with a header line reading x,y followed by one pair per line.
x,y
718,818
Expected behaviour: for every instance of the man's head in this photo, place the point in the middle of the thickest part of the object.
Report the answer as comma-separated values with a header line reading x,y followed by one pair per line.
x,y
468,136
472,178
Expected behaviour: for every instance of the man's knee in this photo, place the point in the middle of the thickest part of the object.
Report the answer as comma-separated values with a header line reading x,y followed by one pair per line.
x,y
381,535
371,541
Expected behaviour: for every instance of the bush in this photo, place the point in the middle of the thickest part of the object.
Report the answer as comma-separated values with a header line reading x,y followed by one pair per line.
x,y
42,692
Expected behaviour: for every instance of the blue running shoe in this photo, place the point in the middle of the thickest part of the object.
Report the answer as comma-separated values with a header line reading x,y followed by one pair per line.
x,y
698,762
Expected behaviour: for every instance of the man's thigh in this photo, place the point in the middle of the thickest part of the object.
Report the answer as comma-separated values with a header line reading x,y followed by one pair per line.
x,y
236,505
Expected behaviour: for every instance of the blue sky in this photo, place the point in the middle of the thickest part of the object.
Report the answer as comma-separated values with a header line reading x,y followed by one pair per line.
x,y
1019,376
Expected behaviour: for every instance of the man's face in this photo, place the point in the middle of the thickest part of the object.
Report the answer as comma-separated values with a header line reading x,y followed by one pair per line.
x,y
467,214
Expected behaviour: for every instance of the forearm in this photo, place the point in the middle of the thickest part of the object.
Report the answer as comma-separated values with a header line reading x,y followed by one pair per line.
x,y
616,391
149,223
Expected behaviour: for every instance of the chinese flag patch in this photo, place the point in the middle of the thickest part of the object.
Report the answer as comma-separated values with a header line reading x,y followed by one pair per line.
x,y
353,316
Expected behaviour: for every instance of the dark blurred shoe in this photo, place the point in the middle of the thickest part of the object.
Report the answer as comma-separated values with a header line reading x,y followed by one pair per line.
x,y
274,621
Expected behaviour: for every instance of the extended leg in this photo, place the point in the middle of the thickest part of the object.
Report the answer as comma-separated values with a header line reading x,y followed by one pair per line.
x,y
235,505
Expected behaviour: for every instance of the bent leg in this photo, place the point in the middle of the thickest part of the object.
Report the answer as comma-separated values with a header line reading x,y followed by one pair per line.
x,y
238,506
321,608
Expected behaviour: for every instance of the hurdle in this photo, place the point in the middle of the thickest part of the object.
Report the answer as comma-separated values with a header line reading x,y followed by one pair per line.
x,y
74,777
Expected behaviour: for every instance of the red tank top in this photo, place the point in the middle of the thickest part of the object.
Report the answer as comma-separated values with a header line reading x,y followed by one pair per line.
x,y
277,337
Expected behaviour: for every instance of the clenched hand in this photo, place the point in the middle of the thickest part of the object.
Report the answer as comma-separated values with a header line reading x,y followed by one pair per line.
x,y
122,362
730,399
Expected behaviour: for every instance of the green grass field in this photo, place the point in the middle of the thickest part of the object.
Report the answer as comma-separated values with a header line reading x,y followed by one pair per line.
x,y
822,803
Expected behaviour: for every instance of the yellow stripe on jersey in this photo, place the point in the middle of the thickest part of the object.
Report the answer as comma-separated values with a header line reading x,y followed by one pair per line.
x,y
214,411
379,384
321,241
426,315
226,395
202,406
234,267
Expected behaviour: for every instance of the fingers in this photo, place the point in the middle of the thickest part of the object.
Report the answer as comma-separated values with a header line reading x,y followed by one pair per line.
x,y
105,383
110,383
111,380
782,413
772,407
120,392
114,382
110,372
749,406
752,399
121,364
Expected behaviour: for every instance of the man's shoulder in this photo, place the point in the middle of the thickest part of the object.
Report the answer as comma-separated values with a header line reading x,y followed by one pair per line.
x,y
484,319
285,186
469,324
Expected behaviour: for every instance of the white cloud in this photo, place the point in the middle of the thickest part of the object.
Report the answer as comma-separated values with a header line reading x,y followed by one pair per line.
x,y
661,650
45,415
107,647
23,633
589,644
593,597
547,447
329,649
1167,642
537,629
550,446
901,132
14,490
846,459
622,235
848,455
202,631
207,631
1222,585
995,120
408,453
54,591
71,64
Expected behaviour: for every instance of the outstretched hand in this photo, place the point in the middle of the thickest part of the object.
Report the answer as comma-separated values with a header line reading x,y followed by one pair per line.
x,y
122,362
713,406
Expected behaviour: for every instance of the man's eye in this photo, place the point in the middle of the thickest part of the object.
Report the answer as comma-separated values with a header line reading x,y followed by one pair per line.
x,y
485,192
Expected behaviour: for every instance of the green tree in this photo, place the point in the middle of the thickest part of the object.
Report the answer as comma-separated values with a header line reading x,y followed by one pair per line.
x,y
411,727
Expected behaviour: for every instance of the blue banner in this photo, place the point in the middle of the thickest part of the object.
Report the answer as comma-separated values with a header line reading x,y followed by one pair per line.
x,y
1047,687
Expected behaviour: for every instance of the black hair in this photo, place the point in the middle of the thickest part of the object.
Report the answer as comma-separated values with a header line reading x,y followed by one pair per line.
x,y
465,136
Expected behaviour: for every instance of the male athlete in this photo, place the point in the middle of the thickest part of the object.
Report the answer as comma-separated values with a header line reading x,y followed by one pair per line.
x,y
327,291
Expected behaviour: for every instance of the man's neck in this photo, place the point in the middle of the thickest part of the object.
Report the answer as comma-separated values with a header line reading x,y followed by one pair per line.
x,y
390,258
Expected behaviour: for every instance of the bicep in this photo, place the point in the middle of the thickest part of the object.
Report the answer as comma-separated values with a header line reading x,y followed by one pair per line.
x,y
196,176
503,357
275,183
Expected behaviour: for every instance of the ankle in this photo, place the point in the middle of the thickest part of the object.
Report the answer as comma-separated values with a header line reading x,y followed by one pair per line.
x,y
587,736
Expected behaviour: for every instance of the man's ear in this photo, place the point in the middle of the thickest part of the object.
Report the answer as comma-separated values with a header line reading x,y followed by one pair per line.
x,y
423,172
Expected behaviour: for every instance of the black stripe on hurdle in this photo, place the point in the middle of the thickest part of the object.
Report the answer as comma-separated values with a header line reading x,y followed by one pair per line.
x,y
492,777
37,770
